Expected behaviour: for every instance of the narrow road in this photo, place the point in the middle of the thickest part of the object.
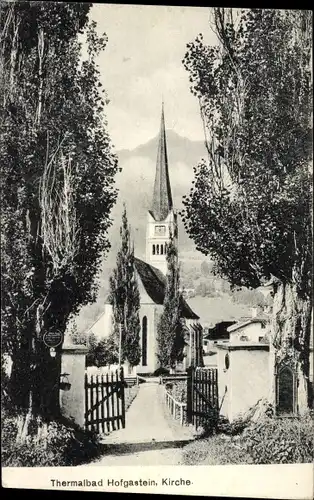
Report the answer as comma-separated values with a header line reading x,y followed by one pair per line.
x,y
150,437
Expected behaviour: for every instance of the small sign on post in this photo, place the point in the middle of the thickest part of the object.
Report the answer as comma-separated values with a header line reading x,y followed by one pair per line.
x,y
53,339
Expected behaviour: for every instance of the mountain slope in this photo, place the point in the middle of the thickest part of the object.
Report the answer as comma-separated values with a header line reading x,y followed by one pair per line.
x,y
180,150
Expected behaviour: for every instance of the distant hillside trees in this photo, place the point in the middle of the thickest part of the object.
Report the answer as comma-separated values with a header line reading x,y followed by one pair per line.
x,y
207,284
206,289
125,300
250,207
206,268
253,298
58,174
170,333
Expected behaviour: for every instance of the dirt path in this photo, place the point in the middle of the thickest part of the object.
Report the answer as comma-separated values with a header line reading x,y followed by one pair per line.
x,y
150,437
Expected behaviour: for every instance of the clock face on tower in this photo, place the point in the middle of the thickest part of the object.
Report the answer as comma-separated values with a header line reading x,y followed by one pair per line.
x,y
160,230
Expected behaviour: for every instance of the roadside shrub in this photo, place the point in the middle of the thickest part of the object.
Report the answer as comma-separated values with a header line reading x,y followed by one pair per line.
x,y
280,440
161,371
178,390
231,428
62,445
269,440
169,386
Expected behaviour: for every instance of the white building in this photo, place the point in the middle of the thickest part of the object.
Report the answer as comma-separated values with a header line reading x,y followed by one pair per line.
x,y
249,330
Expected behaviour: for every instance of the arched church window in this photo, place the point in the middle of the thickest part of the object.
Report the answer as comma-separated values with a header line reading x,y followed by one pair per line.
x,y
154,249
227,361
161,249
166,248
144,341
285,391
157,249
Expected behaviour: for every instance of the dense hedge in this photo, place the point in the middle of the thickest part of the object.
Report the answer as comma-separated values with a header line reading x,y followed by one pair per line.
x,y
63,445
280,440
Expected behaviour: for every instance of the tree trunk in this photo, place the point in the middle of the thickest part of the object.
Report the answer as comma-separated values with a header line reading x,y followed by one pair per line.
x,y
46,383
290,343
20,383
35,375
40,393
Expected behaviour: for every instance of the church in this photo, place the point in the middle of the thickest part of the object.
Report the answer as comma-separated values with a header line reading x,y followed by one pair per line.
x,y
151,274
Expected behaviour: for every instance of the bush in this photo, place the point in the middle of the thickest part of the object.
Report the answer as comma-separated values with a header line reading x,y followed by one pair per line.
x,y
257,437
101,352
63,445
280,440
268,441
178,391
231,428
161,371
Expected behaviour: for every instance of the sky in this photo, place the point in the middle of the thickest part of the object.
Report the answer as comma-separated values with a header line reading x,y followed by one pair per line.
x,y
142,65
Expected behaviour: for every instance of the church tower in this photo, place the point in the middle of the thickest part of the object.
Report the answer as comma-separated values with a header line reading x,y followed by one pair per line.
x,y
161,218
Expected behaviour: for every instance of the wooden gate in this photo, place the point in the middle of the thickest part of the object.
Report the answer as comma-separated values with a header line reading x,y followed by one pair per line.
x,y
105,402
202,396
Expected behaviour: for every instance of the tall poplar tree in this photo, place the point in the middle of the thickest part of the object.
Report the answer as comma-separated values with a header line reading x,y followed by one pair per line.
x,y
170,336
57,175
251,204
125,300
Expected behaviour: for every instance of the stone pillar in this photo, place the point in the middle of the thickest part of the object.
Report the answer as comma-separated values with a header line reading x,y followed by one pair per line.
x,y
224,383
72,401
248,377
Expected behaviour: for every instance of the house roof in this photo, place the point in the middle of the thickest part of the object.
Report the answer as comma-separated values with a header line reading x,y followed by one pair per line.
x,y
219,331
95,321
154,283
245,322
162,198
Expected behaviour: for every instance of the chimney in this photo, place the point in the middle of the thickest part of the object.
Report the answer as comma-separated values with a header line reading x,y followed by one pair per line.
x,y
254,311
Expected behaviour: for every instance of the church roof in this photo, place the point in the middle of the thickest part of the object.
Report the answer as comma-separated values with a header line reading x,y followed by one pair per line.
x,y
154,283
162,198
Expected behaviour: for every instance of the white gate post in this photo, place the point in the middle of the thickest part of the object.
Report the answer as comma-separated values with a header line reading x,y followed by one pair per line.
x,y
72,401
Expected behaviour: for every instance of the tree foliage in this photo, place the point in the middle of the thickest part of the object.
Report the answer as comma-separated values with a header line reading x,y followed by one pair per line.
x,y
250,205
255,100
76,337
205,269
102,352
170,330
57,180
125,299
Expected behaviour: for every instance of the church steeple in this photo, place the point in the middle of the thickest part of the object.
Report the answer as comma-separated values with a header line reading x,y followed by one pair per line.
x,y
161,218
162,198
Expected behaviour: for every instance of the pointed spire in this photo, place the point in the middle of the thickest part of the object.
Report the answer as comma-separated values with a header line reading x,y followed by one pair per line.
x,y
162,198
